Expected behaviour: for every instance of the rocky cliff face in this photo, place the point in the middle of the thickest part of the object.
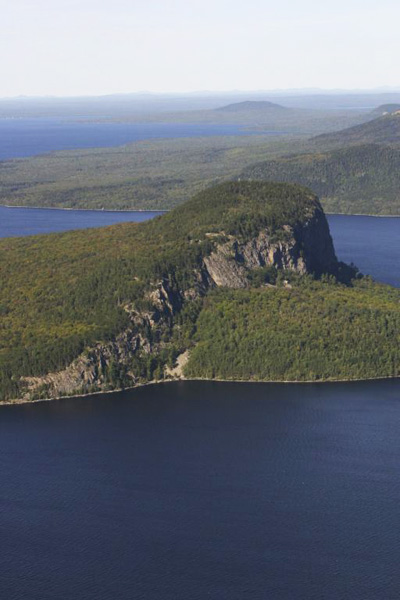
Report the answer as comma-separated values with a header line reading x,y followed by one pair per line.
x,y
92,370
306,248
89,372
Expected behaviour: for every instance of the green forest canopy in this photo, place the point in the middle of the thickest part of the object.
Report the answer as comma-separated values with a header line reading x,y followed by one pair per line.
x,y
359,179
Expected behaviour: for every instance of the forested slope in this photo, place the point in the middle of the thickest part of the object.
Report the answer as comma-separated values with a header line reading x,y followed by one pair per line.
x,y
313,331
361,179
383,130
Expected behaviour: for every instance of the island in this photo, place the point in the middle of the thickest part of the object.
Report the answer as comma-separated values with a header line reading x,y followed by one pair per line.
x,y
239,283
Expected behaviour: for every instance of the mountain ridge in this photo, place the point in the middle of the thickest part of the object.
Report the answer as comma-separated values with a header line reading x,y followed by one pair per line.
x,y
362,178
382,130
385,109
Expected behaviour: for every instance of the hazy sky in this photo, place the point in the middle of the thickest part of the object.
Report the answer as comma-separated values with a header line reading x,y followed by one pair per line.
x,y
79,47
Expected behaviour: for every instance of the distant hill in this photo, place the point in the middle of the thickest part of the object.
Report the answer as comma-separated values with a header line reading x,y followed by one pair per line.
x,y
249,105
383,130
385,109
363,179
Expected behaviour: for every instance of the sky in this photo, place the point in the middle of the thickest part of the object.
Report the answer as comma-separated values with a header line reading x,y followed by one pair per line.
x,y
94,47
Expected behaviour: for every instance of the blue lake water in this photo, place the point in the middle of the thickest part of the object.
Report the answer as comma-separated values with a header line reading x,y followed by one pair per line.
x,y
200,490
27,137
372,243
32,221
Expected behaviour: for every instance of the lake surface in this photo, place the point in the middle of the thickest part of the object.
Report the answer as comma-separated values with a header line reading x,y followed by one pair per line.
x,y
32,221
199,490
27,137
372,243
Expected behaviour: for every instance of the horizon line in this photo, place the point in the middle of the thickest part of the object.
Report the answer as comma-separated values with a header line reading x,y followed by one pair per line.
x,y
275,91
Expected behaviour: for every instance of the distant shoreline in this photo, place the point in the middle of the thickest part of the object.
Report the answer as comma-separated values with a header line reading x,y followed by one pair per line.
x,y
165,210
362,215
119,210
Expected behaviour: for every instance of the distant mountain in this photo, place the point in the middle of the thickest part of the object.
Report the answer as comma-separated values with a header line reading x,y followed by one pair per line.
x,y
251,105
266,116
363,179
383,130
386,109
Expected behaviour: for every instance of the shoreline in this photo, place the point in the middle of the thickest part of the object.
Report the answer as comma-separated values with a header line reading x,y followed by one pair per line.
x,y
20,401
100,210
165,210
362,215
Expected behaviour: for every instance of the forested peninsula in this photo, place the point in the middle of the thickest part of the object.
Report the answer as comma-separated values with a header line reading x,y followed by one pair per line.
x,y
239,283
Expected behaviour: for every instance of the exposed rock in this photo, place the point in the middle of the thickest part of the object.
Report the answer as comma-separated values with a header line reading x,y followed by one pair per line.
x,y
223,267
305,249
177,371
88,372
165,299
